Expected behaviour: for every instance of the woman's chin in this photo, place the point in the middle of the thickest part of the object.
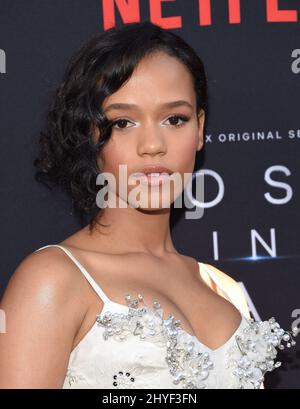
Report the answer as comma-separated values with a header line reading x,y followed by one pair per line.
x,y
152,204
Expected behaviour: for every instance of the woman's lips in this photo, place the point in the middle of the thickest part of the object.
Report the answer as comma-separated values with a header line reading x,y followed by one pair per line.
x,y
152,179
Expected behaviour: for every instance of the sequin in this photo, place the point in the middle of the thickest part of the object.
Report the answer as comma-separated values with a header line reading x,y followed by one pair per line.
x,y
122,380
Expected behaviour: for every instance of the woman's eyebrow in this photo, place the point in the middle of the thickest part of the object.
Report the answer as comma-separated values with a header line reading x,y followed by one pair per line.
x,y
172,104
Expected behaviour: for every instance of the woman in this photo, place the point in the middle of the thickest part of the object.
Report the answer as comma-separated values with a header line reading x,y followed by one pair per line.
x,y
115,305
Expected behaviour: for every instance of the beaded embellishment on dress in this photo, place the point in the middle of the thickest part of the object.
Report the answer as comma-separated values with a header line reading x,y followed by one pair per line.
x,y
122,380
187,364
249,359
255,351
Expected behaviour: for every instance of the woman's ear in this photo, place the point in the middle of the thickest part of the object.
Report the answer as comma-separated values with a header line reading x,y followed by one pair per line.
x,y
96,133
201,120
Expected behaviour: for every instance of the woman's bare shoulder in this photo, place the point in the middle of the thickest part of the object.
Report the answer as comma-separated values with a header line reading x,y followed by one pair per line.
x,y
46,280
47,268
44,308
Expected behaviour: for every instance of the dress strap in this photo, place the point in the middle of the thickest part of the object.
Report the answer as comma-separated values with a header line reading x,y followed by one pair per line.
x,y
215,282
233,292
89,278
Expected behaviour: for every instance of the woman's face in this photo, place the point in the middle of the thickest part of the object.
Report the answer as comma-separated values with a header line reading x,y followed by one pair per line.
x,y
151,133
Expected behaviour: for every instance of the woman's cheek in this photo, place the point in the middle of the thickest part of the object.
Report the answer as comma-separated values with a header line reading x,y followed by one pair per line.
x,y
185,154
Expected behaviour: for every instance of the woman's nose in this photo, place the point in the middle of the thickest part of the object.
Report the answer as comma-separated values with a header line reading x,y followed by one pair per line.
x,y
151,140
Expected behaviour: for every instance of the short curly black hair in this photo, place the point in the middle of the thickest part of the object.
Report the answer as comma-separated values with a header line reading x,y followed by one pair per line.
x,y
68,153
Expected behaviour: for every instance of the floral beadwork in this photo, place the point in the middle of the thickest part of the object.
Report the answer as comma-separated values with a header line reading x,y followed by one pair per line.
x,y
250,355
73,377
188,366
255,351
138,321
122,380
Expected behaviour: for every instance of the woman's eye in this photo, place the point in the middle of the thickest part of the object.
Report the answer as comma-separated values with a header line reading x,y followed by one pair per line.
x,y
175,118
121,123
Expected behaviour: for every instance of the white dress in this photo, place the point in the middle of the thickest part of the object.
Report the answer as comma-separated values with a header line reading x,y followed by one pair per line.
x,y
132,347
